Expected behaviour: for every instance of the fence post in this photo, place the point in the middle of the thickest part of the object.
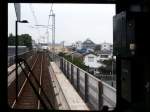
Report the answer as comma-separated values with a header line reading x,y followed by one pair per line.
x,y
68,70
59,61
100,97
72,74
61,64
65,67
78,80
86,87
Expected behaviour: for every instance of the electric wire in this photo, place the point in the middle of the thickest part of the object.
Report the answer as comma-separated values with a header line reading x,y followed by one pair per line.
x,y
35,18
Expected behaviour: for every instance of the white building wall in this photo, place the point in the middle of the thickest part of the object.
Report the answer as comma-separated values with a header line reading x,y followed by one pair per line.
x,y
106,46
91,61
78,45
102,58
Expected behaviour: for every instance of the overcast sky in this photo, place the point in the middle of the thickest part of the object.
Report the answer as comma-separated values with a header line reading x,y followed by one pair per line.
x,y
74,22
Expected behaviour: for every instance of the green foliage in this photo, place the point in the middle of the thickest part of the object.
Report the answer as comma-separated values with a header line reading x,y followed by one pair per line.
x,y
108,68
107,62
23,40
61,54
97,48
76,61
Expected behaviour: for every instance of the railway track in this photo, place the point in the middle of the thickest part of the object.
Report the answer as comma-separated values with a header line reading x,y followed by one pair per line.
x,y
21,81
27,98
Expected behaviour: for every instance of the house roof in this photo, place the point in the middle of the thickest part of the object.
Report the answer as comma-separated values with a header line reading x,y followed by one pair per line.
x,y
88,41
84,54
106,43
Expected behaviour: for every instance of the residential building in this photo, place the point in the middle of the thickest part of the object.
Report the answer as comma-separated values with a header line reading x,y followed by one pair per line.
x,y
33,44
88,44
91,60
106,46
78,45
73,45
104,55
97,48
59,48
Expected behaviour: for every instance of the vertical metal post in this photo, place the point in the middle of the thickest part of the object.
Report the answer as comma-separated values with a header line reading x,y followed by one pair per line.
x,y
54,31
61,64
16,44
86,87
53,34
67,69
100,97
64,67
72,74
78,80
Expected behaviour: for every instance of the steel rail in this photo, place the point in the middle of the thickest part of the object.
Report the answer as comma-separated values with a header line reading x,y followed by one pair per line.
x,y
24,83
40,81
36,80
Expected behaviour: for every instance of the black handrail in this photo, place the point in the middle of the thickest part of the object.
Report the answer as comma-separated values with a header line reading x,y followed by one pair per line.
x,y
32,85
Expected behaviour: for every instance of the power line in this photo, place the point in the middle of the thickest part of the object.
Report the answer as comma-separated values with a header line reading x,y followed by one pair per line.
x,y
35,18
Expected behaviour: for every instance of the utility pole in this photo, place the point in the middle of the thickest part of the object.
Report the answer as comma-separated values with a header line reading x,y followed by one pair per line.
x,y
53,35
16,55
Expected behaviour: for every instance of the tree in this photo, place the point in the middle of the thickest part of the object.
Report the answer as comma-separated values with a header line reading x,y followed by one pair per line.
x,y
23,40
97,48
77,61
108,68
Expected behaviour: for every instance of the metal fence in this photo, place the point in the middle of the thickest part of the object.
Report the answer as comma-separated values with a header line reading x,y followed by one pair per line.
x,y
25,55
109,79
94,92
106,77
59,93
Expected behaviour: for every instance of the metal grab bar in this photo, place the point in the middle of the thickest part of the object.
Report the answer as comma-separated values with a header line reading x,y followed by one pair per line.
x,y
32,85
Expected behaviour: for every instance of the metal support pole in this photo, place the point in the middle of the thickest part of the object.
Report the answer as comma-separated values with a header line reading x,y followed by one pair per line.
x,y
61,64
72,74
86,87
100,97
67,69
78,79
53,34
16,44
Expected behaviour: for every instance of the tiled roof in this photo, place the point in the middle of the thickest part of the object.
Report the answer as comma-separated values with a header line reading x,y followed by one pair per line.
x,y
88,41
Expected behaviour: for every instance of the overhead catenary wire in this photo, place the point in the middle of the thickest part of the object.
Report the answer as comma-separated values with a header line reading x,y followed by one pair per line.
x,y
35,18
